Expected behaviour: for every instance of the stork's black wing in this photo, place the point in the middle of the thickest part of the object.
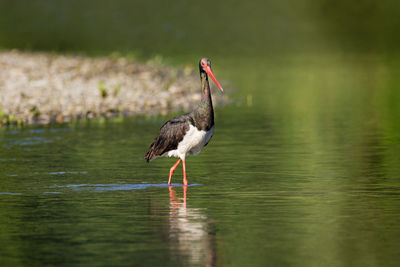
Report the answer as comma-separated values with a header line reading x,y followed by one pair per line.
x,y
171,133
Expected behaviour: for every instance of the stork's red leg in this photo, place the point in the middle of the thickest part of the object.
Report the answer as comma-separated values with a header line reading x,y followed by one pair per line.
x,y
171,171
184,197
185,181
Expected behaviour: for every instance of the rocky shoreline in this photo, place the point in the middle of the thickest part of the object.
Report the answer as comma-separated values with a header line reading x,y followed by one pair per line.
x,y
38,87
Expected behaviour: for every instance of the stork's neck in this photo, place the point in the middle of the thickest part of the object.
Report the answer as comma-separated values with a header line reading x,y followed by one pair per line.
x,y
205,88
204,113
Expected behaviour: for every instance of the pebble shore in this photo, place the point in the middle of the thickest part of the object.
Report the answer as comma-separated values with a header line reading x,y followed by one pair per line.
x,y
46,87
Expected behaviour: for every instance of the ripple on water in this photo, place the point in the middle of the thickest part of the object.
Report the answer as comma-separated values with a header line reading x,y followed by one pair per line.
x,y
9,193
32,141
36,131
113,187
39,131
13,132
5,160
10,143
67,172
18,139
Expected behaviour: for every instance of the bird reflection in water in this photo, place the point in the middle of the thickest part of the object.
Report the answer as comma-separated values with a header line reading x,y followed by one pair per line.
x,y
190,234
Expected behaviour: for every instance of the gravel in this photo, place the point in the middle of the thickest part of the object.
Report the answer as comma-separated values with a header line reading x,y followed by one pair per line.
x,y
46,87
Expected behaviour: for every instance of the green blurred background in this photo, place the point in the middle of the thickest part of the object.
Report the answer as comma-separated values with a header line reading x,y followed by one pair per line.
x,y
287,52
240,28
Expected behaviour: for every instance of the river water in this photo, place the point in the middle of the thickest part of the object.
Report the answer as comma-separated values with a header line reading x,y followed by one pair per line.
x,y
303,170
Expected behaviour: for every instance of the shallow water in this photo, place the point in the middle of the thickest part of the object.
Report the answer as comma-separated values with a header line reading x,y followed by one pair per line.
x,y
285,181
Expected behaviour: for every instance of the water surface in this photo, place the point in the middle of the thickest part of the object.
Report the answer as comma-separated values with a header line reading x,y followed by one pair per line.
x,y
303,170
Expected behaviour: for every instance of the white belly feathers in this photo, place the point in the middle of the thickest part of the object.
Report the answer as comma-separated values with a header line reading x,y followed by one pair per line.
x,y
192,143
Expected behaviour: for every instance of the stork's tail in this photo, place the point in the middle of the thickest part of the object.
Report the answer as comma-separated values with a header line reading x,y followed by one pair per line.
x,y
148,156
151,154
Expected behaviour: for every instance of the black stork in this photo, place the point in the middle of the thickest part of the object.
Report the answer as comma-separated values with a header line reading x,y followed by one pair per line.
x,y
188,133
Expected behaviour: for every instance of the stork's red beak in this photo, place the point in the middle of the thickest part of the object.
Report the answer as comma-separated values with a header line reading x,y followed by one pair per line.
x,y
211,74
